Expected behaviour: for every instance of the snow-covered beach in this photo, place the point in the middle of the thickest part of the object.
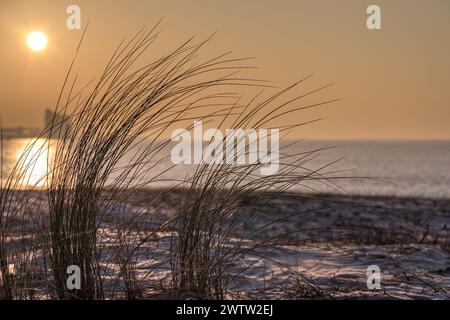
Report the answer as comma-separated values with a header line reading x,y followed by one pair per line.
x,y
320,246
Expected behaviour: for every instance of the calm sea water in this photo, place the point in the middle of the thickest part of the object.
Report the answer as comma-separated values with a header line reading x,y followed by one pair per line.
x,y
400,168
416,168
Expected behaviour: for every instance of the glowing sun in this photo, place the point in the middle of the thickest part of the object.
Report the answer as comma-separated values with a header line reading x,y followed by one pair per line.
x,y
37,41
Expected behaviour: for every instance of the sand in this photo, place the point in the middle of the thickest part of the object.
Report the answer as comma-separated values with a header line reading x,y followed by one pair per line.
x,y
324,245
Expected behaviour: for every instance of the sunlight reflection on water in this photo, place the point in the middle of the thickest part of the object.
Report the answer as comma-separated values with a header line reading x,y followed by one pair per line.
x,y
416,168
25,162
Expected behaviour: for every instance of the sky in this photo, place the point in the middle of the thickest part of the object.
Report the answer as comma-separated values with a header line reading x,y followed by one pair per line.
x,y
393,83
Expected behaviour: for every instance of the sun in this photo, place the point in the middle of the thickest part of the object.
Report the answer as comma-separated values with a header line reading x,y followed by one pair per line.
x,y
37,41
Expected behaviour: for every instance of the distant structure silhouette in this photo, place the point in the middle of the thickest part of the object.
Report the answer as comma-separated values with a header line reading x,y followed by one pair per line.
x,y
60,125
59,122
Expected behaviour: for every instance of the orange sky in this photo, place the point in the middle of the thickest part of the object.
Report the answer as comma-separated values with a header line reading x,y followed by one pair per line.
x,y
394,83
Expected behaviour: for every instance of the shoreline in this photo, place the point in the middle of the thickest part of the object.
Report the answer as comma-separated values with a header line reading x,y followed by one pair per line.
x,y
317,195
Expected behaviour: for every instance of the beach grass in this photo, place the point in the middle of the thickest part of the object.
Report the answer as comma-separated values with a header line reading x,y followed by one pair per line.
x,y
92,130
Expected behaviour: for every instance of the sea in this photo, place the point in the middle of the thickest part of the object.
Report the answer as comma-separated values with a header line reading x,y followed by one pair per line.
x,y
384,168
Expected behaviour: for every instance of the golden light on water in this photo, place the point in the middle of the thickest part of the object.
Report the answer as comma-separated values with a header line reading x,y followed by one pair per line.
x,y
33,156
37,41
